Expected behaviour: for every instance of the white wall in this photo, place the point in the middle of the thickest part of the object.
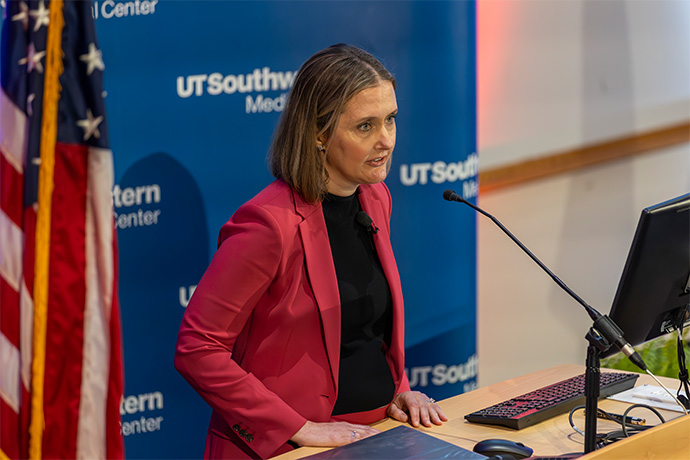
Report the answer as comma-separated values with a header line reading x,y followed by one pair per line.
x,y
556,75
553,74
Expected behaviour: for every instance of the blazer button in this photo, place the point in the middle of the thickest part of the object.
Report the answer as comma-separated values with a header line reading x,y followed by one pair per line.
x,y
249,438
243,433
235,427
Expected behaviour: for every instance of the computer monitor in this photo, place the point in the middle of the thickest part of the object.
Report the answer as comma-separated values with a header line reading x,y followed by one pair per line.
x,y
654,290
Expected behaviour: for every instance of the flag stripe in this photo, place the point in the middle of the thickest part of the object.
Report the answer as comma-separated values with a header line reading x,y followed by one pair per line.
x,y
12,132
114,440
26,325
9,379
12,241
11,198
9,420
91,437
26,307
67,287
9,321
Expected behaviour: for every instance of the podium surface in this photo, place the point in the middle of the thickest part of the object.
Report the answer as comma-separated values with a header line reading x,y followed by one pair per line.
x,y
554,436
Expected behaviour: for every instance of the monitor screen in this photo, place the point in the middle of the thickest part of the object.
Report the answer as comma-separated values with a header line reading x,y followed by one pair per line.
x,y
654,289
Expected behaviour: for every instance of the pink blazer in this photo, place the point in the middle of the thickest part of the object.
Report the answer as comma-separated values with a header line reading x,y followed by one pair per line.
x,y
260,339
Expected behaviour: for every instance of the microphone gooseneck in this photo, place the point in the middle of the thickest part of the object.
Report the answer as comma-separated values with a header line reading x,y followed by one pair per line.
x,y
602,323
450,195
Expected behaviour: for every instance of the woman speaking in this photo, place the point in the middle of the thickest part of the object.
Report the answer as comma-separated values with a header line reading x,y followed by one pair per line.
x,y
295,333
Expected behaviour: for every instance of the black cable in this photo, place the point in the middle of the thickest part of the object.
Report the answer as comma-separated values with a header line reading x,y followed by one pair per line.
x,y
682,368
628,429
625,414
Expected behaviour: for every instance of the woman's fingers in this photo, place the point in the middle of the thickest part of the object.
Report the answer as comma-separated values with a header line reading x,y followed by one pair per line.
x,y
417,408
331,434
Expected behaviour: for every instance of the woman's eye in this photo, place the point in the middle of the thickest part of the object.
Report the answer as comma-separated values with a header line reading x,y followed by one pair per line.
x,y
365,126
391,119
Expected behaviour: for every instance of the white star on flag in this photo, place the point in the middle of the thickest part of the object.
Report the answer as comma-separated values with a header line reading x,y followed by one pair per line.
x,y
33,59
90,125
93,59
23,15
41,15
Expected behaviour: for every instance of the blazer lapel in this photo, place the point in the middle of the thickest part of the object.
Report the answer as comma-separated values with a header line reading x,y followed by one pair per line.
x,y
322,277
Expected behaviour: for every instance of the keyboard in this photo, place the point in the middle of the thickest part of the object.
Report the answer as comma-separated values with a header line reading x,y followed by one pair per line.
x,y
544,403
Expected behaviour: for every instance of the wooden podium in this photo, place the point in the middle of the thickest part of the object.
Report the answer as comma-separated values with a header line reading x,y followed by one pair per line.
x,y
555,436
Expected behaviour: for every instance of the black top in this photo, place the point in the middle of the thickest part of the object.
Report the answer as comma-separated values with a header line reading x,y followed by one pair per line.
x,y
365,381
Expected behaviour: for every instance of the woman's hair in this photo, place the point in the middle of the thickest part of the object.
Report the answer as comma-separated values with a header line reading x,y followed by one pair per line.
x,y
324,84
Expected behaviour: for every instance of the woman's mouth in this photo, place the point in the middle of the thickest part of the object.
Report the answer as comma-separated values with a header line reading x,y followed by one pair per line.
x,y
378,161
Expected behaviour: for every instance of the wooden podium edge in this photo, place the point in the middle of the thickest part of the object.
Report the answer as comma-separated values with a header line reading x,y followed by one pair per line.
x,y
670,441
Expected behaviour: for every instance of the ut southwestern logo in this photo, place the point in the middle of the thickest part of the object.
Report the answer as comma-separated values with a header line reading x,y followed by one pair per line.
x,y
108,9
441,374
440,172
258,81
140,404
185,294
132,197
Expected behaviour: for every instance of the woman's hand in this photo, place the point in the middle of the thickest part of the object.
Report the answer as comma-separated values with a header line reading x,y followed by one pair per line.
x,y
416,408
331,434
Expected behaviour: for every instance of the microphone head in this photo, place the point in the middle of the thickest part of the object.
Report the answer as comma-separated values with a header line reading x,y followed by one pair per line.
x,y
450,195
363,219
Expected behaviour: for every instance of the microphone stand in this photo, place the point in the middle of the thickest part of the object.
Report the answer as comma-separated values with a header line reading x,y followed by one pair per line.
x,y
601,336
597,345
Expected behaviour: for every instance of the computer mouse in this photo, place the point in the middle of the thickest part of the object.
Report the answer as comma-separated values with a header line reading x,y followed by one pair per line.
x,y
490,447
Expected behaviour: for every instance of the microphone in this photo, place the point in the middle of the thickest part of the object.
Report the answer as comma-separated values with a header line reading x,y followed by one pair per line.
x,y
365,221
602,323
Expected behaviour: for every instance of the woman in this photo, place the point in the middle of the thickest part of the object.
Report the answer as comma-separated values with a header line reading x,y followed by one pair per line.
x,y
294,335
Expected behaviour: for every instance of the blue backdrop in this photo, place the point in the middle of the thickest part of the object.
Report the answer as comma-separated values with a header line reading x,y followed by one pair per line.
x,y
194,91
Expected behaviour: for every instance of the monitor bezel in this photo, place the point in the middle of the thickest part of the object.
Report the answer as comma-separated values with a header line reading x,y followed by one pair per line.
x,y
661,227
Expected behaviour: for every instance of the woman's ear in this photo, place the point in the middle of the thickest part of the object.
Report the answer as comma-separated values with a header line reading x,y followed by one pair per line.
x,y
321,144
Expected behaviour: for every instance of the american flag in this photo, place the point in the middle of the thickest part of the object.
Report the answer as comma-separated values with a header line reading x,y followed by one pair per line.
x,y
60,338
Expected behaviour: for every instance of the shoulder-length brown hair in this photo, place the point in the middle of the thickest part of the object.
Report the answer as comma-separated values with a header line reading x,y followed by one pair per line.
x,y
324,84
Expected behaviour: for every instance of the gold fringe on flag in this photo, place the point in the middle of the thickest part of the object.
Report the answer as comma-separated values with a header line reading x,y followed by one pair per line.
x,y
51,95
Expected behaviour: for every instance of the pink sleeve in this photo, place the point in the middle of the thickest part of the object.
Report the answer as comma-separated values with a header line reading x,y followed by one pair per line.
x,y
239,274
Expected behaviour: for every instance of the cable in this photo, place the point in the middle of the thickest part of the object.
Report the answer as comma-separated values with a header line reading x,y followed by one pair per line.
x,y
570,419
682,369
628,429
625,414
